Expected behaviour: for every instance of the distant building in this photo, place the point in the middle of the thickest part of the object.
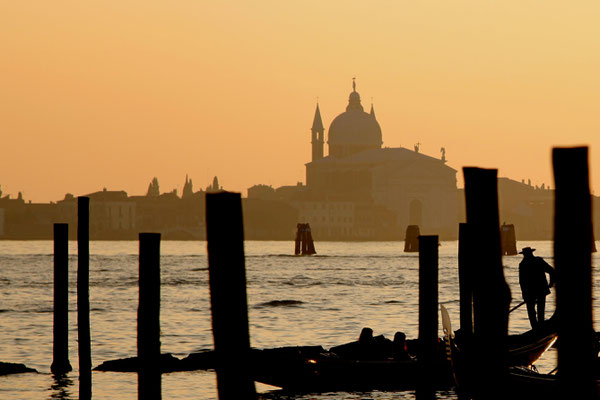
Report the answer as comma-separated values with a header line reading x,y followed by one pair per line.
x,y
529,208
264,192
112,214
370,191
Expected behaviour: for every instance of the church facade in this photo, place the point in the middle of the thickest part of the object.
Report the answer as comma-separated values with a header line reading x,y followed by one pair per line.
x,y
362,190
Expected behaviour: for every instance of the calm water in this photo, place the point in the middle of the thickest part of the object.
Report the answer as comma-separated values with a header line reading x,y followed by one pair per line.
x,y
334,294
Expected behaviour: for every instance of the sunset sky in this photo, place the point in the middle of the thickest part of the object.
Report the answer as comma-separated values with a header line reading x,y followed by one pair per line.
x,y
113,93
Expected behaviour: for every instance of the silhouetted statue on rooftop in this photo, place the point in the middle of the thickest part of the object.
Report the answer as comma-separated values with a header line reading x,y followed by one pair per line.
x,y
534,286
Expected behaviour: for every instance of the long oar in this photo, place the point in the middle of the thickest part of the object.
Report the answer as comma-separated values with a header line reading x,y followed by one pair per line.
x,y
517,306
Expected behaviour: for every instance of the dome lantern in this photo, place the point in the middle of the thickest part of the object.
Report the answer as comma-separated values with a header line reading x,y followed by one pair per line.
x,y
355,130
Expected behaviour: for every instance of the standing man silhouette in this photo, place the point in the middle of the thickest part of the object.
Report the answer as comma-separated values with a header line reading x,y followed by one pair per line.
x,y
534,286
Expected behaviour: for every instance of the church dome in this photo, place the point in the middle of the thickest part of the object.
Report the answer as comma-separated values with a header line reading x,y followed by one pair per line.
x,y
354,130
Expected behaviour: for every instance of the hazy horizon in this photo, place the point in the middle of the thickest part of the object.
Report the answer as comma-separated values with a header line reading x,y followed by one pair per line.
x,y
113,94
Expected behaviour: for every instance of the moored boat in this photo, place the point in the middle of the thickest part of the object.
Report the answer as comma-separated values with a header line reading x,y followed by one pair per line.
x,y
329,372
309,369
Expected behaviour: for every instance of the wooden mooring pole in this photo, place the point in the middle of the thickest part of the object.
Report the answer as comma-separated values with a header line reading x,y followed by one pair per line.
x,y
229,305
573,262
148,334
508,239
465,266
60,350
83,298
411,239
428,315
491,295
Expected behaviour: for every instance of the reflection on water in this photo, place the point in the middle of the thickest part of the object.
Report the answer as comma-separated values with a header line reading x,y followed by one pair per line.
x,y
60,387
324,300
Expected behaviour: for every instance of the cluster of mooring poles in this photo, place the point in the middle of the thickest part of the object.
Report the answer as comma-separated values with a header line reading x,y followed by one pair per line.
x,y
485,296
149,377
304,244
60,363
225,238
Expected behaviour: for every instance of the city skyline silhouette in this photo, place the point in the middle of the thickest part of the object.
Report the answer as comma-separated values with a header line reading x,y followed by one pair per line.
x,y
113,95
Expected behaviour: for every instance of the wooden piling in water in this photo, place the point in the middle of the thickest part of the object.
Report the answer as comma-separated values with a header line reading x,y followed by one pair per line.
x,y
573,262
304,242
508,239
310,244
60,349
491,295
229,305
148,330
411,239
298,241
465,266
428,315
83,298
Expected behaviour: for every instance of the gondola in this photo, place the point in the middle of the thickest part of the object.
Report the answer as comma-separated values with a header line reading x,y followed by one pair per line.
x,y
526,348
313,369
522,382
296,371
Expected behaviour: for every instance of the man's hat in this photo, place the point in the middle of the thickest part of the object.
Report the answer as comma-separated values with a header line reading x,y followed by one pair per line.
x,y
526,250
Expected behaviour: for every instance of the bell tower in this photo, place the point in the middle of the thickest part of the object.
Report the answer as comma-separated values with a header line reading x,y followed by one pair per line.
x,y
317,136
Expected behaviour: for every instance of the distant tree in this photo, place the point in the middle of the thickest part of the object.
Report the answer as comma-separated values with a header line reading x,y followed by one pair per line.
x,y
153,188
69,196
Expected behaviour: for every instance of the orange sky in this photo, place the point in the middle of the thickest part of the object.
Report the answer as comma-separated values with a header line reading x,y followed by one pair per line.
x,y
113,93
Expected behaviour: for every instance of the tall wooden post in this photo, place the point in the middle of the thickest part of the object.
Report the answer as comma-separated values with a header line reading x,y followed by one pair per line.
x,y
508,239
573,261
465,247
491,295
229,305
83,298
428,315
149,375
411,239
60,362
